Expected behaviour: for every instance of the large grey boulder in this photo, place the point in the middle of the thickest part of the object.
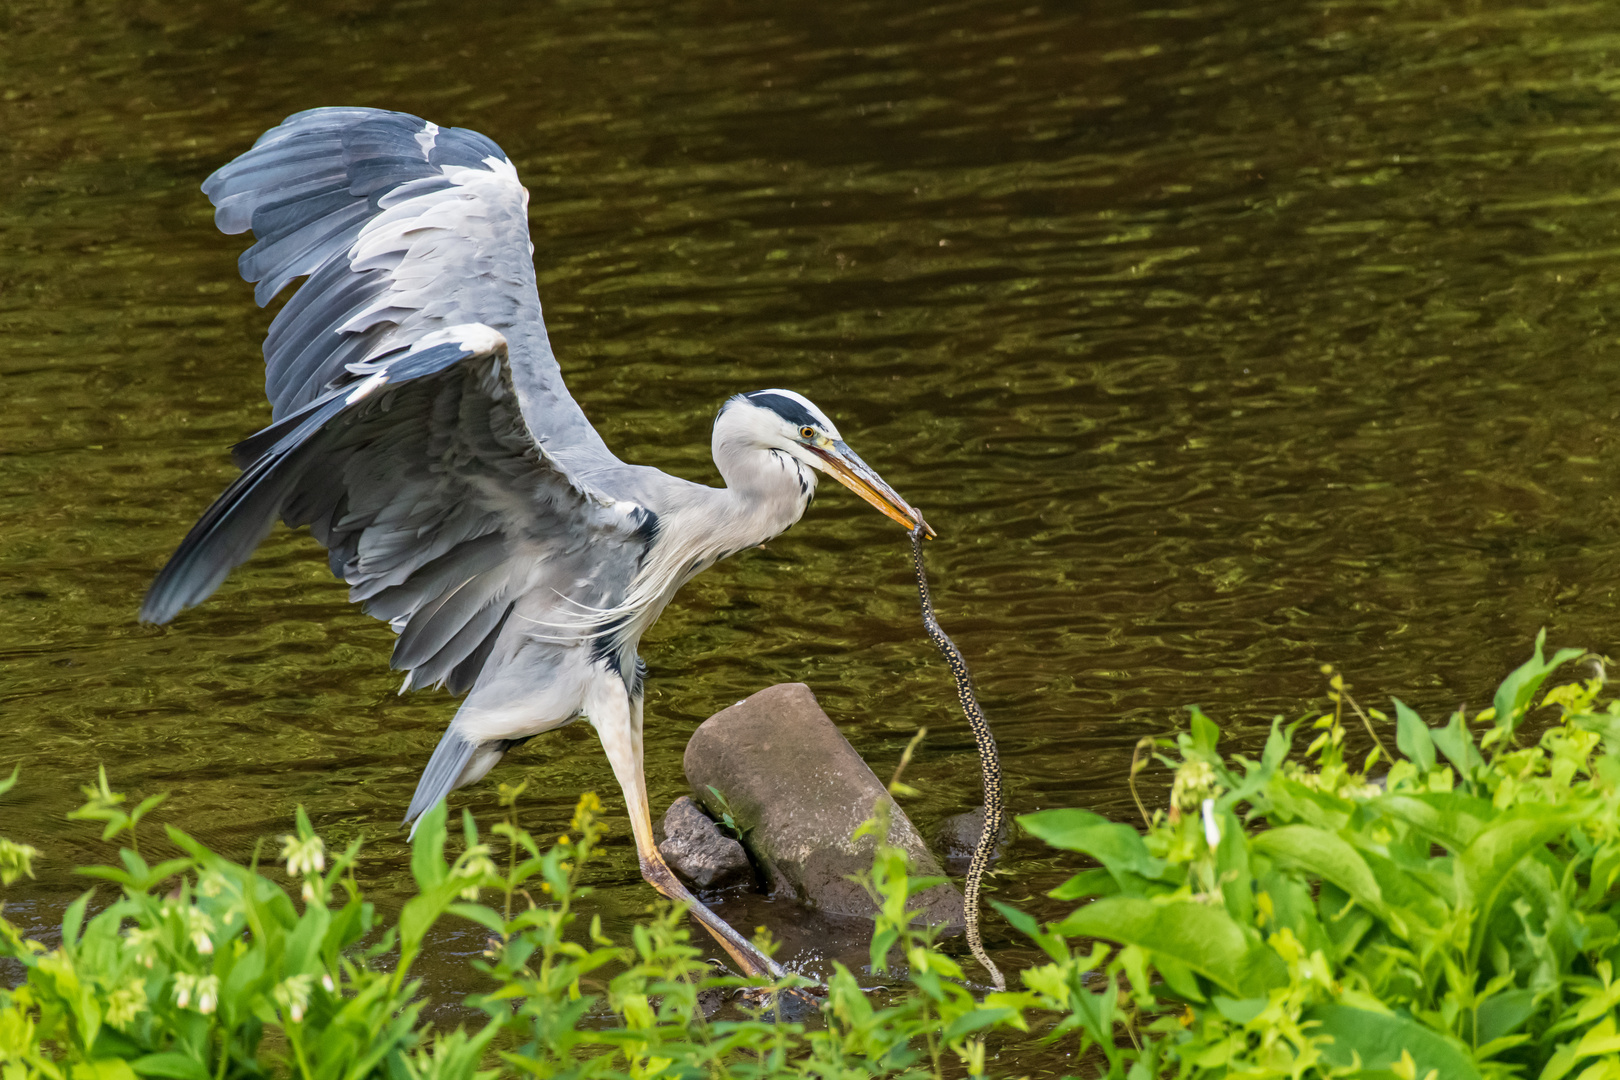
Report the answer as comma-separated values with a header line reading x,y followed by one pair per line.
x,y
797,791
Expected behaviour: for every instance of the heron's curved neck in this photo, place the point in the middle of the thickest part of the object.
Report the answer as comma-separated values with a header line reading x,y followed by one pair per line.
x,y
766,492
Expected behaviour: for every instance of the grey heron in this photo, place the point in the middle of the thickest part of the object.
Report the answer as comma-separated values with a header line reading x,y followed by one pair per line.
x,y
421,429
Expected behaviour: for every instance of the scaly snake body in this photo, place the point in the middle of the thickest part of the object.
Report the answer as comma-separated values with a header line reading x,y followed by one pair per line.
x,y
994,811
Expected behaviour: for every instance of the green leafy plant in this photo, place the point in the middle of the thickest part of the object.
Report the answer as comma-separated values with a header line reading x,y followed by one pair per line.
x,y
16,860
728,820
1453,917
184,972
1447,909
203,969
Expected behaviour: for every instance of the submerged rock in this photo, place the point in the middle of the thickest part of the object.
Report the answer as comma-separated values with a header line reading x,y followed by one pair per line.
x,y
797,791
696,849
957,837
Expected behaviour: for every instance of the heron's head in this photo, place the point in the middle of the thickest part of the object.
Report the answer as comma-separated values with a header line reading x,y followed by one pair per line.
x,y
790,424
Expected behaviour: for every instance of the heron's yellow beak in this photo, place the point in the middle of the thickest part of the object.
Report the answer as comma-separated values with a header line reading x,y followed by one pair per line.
x,y
846,466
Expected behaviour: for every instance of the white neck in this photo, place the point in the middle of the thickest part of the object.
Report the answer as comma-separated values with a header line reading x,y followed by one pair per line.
x,y
767,490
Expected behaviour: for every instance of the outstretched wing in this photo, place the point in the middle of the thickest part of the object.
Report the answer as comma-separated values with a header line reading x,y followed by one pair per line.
x,y
421,427
438,506
403,228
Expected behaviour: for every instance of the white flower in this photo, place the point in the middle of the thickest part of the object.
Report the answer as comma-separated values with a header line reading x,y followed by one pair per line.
x,y
207,994
204,989
292,994
184,986
199,927
143,943
326,982
1212,828
303,856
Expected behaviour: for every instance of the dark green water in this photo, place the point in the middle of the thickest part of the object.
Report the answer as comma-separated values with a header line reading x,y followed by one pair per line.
x,y
1218,341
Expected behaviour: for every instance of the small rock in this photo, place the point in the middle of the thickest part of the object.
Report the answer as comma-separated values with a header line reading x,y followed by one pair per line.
x,y
709,1001
798,791
696,849
957,837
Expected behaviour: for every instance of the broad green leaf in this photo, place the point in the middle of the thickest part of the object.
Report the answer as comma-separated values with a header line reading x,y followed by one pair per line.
x,y
1486,866
1022,921
1345,923
1178,977
1450,818
105,1069
1200,936
1412,737
1601,1038
427,848
1293,801
1257,774
1502,1013
1379,1040
1232,866
1239,1011
1293,904
1457,743
1423,893
73,920
976,1020
1116,846
484,916
1205,734
1325,855
1513,697
1095,882
170,1064
1605,724
1278,742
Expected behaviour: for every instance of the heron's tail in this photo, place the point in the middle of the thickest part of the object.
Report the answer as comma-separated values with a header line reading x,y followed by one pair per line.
x,y
456,762
440,778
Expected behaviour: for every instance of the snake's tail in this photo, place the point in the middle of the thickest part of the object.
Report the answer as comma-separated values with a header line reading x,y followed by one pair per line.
x,y
989,761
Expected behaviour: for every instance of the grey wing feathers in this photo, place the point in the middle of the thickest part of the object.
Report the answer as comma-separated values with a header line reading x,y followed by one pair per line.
x,y
401,228
420,476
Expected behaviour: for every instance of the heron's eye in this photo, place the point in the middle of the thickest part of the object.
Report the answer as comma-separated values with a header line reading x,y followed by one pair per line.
x,y
807,432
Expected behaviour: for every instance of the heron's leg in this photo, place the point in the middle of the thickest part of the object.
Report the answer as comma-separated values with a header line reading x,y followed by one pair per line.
x,y
618,723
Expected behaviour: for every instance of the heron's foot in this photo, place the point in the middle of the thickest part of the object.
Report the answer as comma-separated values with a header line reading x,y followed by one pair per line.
x,y
791,1003
743,953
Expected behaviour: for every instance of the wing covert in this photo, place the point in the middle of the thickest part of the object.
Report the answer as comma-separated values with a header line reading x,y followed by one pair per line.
x,y
401,229
435,501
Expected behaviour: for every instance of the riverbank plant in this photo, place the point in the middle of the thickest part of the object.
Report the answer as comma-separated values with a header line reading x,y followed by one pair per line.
x,y
1443,906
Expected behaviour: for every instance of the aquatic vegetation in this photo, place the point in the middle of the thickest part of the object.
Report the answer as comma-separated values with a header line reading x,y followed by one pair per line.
x,y
1445,907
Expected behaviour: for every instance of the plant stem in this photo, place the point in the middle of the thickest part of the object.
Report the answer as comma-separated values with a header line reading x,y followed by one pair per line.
x,y
1365,722
1137,765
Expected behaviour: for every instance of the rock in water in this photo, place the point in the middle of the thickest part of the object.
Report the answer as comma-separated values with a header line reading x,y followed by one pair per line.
x,y
957,837
797,791
696,849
